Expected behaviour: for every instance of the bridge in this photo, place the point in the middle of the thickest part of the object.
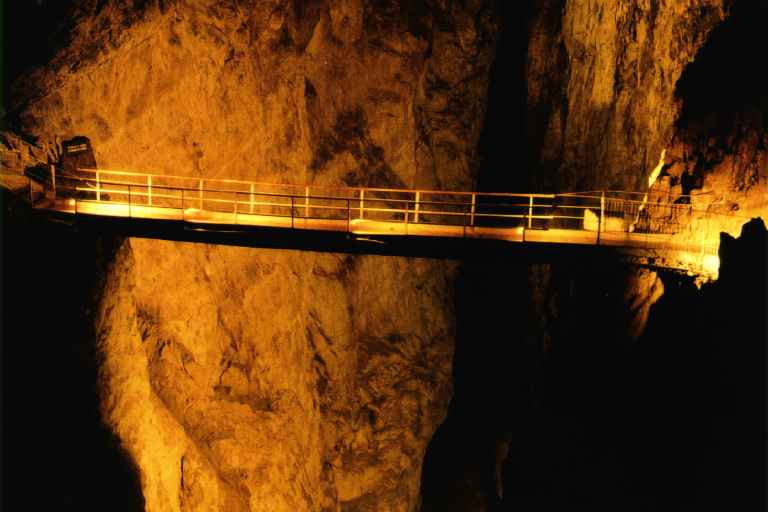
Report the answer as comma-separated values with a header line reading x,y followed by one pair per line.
x,y
659,233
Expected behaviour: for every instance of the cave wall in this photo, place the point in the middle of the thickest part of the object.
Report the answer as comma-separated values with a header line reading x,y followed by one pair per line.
x,y
243,379
610,86
230,389
601,84
606,375
614,87
349,92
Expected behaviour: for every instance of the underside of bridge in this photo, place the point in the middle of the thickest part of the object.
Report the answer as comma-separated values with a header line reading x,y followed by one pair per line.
x,y
173,371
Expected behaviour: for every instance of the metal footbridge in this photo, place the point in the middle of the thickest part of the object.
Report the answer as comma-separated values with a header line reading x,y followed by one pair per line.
x,y
657,231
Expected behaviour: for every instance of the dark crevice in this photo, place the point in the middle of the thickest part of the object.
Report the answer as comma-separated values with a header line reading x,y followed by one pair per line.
x,y
57,452
725,86
594,421
503,145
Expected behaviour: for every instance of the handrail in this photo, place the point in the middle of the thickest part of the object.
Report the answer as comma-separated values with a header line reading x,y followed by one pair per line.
x,y
596,219
408,201
629,192
367,189
330,198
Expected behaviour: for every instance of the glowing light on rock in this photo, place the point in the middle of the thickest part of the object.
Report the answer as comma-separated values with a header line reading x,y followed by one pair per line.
x,y
656,171
711,264
651,180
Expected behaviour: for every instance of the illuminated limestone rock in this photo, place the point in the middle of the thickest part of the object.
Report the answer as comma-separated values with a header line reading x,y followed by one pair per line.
x,y
611,85
243,379
642,291
601,86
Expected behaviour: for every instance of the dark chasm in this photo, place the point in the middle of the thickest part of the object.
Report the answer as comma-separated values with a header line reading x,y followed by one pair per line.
x,y
588,419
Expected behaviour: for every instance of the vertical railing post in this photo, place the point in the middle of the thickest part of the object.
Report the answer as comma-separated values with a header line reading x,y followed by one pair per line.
x,y
98,185
416,209
250,209
306,202
291,212
472,211
601,219
602,208
530,212
464,218
149,190
349,217
200,192
362,203
53,182
182,205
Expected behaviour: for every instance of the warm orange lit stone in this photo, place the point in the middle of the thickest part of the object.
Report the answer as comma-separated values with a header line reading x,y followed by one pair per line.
x,y
243,379
238,377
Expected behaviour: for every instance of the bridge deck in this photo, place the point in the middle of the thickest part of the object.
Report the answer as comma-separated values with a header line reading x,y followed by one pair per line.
x,y
373,227
617,219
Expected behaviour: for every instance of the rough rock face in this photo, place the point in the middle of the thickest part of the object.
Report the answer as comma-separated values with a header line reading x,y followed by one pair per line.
x,y
266,380
241,379
611,85
601,86
302,92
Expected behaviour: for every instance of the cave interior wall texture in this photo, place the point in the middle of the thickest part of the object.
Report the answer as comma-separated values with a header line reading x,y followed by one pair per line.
x,y
242,379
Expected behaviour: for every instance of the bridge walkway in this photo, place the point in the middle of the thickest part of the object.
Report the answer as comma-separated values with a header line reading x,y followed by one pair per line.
x,y
608,218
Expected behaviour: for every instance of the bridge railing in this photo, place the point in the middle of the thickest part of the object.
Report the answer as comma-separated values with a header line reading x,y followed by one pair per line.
x,y
141,195
196,197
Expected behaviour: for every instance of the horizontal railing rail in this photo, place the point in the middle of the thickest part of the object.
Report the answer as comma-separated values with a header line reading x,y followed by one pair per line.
x,y
595,217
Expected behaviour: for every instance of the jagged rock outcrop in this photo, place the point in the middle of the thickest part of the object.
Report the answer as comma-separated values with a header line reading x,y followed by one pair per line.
x,y
601,86
266,380
611,86
241,379
606,94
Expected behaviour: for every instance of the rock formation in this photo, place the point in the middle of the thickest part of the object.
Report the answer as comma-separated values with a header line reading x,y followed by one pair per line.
x,y
265,380
242,379
609,86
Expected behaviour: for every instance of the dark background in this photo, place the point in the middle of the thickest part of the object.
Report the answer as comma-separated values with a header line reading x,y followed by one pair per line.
x,y
56,454
31,31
